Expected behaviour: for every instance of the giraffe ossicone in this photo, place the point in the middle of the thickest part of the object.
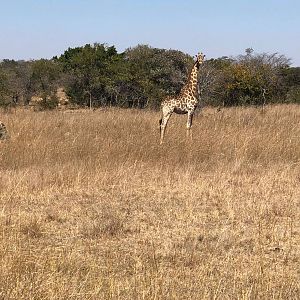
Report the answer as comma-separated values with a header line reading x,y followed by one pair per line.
x,y
184,103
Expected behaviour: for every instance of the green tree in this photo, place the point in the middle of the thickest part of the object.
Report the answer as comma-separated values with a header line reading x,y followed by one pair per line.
x,y
90,73
155,73
17,74
291,81
45,81
3,88
249,79
211,80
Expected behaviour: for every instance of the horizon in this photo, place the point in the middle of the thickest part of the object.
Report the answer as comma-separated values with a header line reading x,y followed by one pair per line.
x,y
44,30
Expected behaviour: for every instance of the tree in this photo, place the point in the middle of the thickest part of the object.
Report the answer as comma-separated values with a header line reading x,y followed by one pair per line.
x,y
17,74
211,81
90,75
250,79
291,82
3,88
97,75
264,76
155,73
45,81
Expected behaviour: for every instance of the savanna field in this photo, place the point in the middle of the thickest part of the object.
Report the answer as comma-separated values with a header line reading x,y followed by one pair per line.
x,y
92,207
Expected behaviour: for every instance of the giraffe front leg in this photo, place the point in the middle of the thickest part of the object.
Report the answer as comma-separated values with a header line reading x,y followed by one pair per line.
x,y
189,124
163,124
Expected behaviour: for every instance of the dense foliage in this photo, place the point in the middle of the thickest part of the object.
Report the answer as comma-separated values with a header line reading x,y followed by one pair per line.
x,y
97,75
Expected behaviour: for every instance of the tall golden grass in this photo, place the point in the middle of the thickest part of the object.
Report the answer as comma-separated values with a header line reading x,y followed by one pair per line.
x,y
92,207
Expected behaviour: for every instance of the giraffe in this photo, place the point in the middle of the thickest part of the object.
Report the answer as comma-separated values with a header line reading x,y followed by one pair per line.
x,y
184,103
3,131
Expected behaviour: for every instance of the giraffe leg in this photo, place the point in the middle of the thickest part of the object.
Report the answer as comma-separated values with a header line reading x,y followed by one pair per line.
x,y
163,124
3,132
189,124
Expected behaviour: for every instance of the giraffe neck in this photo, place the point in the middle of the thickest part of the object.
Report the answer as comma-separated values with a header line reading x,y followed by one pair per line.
x,y
191,86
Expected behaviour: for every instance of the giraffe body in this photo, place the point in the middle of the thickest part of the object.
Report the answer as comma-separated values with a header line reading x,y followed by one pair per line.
x,y
184,103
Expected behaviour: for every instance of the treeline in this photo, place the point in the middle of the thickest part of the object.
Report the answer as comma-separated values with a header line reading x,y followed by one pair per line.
x,y
97,75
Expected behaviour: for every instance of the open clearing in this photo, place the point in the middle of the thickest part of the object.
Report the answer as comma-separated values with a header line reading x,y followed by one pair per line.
x,y
91,207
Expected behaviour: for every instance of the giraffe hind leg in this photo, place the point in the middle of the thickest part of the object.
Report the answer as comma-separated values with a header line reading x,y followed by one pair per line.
x,y
160,121
189,125
163,124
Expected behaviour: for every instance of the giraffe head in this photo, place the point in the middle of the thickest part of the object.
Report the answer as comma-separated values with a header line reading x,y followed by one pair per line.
x,y
200,58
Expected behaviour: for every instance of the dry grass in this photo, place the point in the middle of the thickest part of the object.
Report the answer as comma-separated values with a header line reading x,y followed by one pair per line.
x,y
91,207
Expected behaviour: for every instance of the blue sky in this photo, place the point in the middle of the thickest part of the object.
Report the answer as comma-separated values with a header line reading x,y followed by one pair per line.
x,y
32,29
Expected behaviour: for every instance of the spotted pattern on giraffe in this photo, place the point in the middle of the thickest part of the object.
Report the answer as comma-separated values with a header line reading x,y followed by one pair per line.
x,y
184,103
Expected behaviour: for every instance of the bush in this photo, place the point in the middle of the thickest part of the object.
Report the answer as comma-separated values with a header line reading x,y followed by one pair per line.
x,y
48,102
293,95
